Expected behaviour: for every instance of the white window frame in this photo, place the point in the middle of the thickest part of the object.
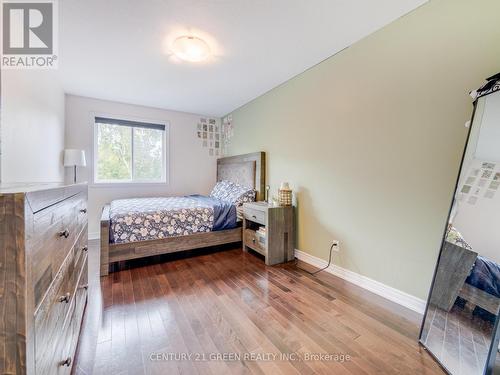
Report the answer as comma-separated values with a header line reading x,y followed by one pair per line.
x,y
132,182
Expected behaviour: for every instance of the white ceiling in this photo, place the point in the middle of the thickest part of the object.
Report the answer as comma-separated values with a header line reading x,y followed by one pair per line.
x,y
116,49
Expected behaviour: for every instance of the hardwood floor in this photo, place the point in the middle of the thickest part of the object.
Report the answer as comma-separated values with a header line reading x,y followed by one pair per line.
x,y
217,304
458,339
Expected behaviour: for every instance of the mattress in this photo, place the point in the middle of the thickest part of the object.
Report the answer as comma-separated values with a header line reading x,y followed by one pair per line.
x,y
142,219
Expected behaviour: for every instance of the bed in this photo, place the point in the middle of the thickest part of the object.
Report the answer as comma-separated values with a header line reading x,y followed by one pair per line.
x,y
465,274
142,227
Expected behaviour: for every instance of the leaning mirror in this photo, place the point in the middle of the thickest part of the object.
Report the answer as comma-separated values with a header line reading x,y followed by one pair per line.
x,y
461,322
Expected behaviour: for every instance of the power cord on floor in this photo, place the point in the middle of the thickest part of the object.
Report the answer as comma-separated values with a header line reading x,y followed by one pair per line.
x,y
335,244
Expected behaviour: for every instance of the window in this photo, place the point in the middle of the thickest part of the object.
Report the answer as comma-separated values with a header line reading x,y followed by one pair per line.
x,y
129,151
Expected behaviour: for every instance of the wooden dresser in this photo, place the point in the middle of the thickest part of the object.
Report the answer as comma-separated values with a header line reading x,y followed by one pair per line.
x,y
43,276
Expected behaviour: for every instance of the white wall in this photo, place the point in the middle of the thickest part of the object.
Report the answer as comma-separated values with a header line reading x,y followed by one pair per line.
x,y
191,171
489,138
478,223
32,126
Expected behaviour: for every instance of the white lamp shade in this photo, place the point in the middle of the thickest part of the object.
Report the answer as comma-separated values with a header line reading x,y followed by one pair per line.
x,y
74,157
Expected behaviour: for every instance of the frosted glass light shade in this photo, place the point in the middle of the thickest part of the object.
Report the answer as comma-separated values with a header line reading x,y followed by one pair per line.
x,y
74,157
191,48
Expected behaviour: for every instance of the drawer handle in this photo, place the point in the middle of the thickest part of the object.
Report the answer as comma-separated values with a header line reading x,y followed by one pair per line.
x,y
255,217
85,248
83,211
64,298
84,286
64,233
253,240
66,362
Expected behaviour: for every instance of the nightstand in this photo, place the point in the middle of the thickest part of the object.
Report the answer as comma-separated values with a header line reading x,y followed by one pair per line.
x,y
276,241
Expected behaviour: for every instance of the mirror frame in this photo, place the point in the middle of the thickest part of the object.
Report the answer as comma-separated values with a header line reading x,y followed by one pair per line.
x,y
492,86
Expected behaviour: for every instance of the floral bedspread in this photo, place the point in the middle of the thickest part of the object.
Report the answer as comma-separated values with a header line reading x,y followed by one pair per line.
x,y
141,219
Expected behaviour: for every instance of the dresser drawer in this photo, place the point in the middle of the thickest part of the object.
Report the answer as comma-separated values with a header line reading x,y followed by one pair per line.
x,y
254,215
252,241
80,298
65,352
62,359
64,356
80,251
54,233
58,302
49,352
81,210
53,360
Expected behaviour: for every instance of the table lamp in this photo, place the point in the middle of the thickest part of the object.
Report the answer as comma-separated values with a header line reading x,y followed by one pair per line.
x,y
74,158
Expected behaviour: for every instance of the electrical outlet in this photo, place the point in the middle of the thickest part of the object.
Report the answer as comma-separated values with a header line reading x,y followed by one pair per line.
x,y
336,245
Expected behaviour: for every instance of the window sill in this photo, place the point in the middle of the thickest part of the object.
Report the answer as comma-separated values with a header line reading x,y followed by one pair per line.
x,y
104,185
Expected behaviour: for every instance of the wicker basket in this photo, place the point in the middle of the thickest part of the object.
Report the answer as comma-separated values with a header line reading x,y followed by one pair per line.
x,y
285,197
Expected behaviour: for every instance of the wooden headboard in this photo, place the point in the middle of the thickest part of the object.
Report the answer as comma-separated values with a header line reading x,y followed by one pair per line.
x,y
247,170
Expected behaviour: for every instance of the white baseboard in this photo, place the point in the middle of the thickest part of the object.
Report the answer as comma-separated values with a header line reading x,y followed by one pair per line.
x,y
388,292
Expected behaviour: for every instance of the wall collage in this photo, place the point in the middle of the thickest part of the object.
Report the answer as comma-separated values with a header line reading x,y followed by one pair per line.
x,y
214,136
483,181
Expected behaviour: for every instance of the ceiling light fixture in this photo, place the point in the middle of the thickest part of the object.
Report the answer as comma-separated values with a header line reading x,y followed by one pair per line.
x,y
191,48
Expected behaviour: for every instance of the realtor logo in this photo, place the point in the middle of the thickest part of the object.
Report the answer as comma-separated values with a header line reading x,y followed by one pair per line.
x,y
29,34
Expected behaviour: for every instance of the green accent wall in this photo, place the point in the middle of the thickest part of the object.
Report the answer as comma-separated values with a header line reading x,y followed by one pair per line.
x,y
371,138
